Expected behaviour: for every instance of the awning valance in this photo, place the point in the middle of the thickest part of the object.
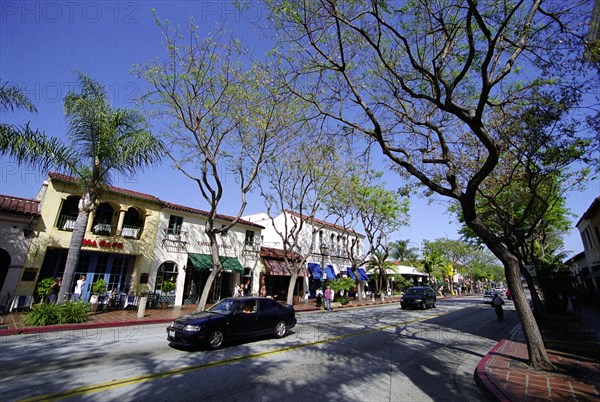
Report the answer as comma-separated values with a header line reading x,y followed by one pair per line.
x,y
330,272
315,270
362,275
350,273
202,262
279,268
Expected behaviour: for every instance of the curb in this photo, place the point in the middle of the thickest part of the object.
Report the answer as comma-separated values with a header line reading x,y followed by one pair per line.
x,y
68,327
484,381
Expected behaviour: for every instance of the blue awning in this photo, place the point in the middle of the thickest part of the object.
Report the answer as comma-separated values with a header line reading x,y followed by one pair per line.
x,y
362,275
330,272
350,273
315,270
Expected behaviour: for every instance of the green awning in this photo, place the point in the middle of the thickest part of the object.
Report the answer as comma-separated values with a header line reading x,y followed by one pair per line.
x,y
201,262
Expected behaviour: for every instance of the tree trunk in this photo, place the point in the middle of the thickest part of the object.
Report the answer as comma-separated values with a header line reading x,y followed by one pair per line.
x,y
292,286
538,358
214,248
85,206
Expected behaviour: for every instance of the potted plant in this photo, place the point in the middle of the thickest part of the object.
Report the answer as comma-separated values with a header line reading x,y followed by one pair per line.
x,y
167,287
44,288
98,288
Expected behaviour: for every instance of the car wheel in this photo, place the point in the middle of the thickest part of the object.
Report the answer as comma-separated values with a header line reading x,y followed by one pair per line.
x,y
423,306
280,329
433,304
216,339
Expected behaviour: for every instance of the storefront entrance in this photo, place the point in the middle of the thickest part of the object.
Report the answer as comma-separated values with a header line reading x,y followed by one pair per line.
x,y
115,269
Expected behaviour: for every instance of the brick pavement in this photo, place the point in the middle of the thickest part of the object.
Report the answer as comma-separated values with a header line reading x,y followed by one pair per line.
x,y
504,372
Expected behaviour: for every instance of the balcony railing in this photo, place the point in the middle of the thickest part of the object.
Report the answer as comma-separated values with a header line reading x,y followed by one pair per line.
x,y
104,229
175,240
66,222
131,232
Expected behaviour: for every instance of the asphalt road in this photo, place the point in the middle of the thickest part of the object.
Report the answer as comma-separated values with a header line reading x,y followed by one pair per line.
x,y
364,354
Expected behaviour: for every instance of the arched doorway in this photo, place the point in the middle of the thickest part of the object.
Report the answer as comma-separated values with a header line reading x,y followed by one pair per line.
x,y
166,272
4,266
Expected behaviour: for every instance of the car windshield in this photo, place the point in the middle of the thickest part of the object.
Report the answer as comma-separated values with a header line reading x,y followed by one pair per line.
x,y
223,307
413,291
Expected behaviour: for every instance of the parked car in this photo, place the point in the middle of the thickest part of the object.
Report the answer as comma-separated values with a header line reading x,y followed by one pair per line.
x,y
508,295
232,318
501,291
418,297
488,295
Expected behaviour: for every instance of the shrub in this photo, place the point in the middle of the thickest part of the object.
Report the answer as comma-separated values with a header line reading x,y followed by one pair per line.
x,y
51,314
42,314
343,300
73,312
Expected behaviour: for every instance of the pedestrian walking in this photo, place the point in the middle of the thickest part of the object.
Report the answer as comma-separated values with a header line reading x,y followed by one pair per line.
x,y
319,297
55,290
328,298
497,303
79,288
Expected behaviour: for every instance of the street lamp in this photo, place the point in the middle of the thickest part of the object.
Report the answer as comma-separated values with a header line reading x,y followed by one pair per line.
x,y
323,272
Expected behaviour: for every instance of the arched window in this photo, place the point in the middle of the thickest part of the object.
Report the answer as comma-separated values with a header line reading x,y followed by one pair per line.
x,y
68,213
4,265
103,218
166,272
133,222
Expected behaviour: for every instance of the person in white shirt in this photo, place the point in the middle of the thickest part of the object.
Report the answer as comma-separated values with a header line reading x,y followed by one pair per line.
x,y
79,288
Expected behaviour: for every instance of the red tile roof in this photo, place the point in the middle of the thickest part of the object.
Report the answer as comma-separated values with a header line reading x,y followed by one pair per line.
x,y
118,190
148,197
19,206
268,252
183,208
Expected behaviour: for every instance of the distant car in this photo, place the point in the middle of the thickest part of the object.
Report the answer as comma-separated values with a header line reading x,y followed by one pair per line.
x,y
418,297
232,318
500,291
488,295
508,295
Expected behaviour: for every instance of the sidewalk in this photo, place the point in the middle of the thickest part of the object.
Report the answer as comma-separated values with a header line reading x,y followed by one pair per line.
x,y
573,346
11,322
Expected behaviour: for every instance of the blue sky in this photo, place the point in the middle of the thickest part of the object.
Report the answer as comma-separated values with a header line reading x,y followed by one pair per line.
x,y
42,43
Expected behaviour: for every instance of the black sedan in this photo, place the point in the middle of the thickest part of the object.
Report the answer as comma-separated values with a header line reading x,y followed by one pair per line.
x,y
418,297
235,317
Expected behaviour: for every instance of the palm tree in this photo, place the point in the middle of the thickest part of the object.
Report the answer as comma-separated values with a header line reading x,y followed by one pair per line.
x,y
401,251
102,141
380,267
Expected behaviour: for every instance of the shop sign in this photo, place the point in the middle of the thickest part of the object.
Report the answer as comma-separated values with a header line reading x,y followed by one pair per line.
x,y
102,243
207,244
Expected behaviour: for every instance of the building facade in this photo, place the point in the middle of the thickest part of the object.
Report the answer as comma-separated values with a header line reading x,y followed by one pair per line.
x,y
18,218
327,247
133,241
589,268
118,242
182,254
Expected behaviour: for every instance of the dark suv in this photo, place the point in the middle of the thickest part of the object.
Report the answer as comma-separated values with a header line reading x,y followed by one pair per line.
x,y
418,297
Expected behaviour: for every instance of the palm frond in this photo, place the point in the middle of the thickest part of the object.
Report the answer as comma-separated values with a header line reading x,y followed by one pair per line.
x,y
34,148
12,98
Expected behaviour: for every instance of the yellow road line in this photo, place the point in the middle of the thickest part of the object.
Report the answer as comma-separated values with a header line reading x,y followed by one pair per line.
x,y
89,389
